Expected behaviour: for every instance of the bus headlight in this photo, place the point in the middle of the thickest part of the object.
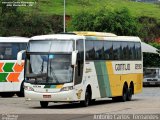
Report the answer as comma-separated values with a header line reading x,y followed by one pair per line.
x,y
28,88
67,88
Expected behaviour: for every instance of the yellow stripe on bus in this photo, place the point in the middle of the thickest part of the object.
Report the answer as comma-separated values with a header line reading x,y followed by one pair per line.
x,y
117,81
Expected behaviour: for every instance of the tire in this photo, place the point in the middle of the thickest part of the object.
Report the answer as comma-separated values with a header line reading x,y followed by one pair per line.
x,y
44,104
123,98
21,93
93,101
116,99
7,94
129,95
87,100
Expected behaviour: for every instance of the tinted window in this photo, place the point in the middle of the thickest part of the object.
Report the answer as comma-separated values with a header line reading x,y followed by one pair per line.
x,y
80,49
108,50
138,51
99,50
125,51
79,68
8,51
132,51
90,53
116,50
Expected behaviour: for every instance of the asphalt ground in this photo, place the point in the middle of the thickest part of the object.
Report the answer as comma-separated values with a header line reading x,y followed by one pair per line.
x,y
146,103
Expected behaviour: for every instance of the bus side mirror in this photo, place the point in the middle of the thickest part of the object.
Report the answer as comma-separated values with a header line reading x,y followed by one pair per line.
x,y
19,56
74,58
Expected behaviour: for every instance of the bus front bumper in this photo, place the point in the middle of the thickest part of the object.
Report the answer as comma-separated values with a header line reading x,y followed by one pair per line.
x,y
63,96
151,83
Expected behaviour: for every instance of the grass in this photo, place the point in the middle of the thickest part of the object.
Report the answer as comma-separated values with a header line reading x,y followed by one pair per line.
x,y
50,7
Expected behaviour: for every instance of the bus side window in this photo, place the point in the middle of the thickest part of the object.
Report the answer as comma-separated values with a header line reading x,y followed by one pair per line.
x,y
131,51
80,62
138,51
99,50
23,46
108,50
90,53
125,51
15,50
116,50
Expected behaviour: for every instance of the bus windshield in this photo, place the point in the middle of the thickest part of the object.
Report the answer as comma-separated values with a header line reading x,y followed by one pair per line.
x,y
150,73
51,46
48,68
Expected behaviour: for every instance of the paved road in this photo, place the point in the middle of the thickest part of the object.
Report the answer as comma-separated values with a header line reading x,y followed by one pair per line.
x,y
148,102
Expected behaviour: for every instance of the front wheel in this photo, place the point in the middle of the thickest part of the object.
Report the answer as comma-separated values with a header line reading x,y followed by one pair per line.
x,y
21,93
87,100
44,104
7,94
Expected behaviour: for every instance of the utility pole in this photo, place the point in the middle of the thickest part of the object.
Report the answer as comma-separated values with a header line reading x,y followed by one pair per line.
x,y
64,17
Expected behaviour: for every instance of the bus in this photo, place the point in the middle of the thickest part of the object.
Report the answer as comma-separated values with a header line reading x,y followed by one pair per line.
x,y
82,67
11,74
151,76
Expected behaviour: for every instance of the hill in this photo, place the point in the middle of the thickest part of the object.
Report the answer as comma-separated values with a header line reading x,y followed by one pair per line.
x,y
50,7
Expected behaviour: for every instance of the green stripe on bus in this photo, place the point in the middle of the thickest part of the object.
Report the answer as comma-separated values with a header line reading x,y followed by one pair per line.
x,y
47,86
3,77
8,67
106,79
103,79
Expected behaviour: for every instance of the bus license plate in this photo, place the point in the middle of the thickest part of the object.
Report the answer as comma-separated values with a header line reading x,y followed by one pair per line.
x,y
152,83
46,96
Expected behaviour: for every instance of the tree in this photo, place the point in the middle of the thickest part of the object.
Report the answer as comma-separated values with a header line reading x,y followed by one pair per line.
x,y
119,22
150,28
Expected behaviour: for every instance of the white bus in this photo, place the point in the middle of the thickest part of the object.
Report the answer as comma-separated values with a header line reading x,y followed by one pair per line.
x,y
82,67
151,76
11,74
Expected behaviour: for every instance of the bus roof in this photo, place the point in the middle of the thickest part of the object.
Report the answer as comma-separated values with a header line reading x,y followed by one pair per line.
x,y
13,39
90,33
78,36
123,38
56,36
152,68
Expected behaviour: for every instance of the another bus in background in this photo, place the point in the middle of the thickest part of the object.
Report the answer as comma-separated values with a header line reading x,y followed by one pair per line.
x,y
151,76
11,74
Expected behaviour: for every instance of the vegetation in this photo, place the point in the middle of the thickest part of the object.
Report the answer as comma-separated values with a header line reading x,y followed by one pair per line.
x,y
50,7
119,22
121,17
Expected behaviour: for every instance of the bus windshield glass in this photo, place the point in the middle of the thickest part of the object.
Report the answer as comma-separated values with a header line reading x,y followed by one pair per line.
x,y
49,68
51,46
150,73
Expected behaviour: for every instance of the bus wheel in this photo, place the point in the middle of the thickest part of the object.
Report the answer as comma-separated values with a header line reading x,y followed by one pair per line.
x,y
21,93
7,94
87,100
93,101
123,98
129,95
116,99
44,104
